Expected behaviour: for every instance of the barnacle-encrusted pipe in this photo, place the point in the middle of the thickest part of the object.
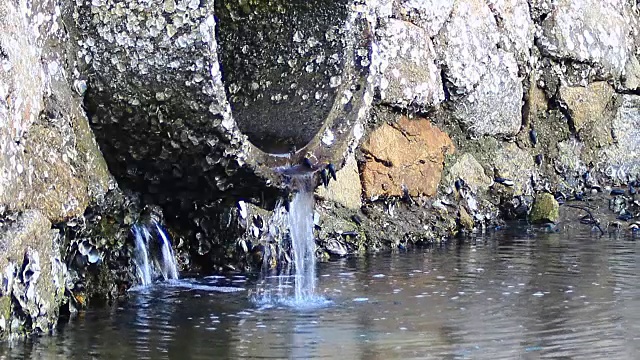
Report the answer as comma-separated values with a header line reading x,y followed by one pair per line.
x,y
193,98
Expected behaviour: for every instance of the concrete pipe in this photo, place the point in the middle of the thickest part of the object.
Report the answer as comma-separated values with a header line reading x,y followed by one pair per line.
x,y
194,99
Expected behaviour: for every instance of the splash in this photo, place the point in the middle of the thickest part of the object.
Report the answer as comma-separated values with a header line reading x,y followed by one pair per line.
x,y
294,285
153,254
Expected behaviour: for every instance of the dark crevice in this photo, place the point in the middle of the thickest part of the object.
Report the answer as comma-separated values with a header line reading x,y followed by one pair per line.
x,y
541,18
628,91
445,88
564,109
376,159
524,111
563,59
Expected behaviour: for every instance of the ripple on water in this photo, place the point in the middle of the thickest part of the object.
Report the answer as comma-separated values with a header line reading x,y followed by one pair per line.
x,y
279,299
190,284
447,308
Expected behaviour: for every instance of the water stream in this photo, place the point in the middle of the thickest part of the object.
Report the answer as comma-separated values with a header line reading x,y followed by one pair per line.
x,y
154,257
300,275
303,241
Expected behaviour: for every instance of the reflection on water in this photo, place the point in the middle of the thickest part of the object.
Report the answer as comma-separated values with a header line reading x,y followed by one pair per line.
x,y
567,296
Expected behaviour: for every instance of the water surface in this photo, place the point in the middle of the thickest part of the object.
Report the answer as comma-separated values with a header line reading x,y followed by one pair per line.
x,y
570,295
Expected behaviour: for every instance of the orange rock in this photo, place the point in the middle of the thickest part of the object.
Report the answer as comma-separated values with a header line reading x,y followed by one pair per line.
x,y
409,153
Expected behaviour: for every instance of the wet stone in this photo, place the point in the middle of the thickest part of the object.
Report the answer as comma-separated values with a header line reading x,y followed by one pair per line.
x,y
514,164
545,209
631,77
624,155
591,111
33,274
346,189
516,27
470,171
49,159
466,221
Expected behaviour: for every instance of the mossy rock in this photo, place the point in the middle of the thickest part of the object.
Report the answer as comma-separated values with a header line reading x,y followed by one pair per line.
x,y
545,209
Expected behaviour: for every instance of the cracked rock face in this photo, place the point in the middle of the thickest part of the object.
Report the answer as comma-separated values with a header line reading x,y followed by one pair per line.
x,y
346,189
408,154
516,27
427,14
471,172
591,31
591,112
50,166
195,103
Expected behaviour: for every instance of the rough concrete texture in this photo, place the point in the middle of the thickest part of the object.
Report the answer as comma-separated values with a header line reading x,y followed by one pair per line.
x,y
170,127
51,169
346,189
591,31
536,105
134,54
631,77
516,164
157,98
494,107
569,157
408,74
465,44
406,156
33,275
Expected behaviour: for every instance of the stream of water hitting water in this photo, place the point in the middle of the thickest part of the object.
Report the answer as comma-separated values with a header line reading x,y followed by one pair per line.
x,y
303,247
303,241
154,257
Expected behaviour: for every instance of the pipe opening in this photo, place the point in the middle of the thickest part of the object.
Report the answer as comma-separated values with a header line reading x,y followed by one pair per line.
x,y
283,65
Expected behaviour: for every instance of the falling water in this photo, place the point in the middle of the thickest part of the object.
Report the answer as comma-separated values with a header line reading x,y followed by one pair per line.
x,y
275,290
154,257
302,240
168,264
141,256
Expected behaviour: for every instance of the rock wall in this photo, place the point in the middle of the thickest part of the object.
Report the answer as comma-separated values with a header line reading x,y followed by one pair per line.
x,y
56,193
482,107
449,117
